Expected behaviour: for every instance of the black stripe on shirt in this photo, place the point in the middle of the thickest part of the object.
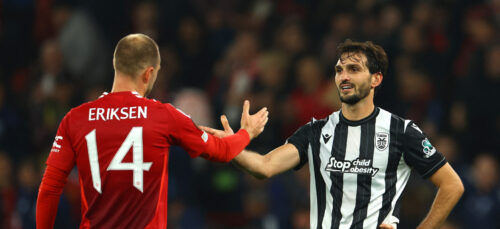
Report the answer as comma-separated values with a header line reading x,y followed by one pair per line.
x,y
363,192
397,207
320,183
336,190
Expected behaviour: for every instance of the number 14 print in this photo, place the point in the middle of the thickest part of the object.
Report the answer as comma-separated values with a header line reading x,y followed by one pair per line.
x,y
134,140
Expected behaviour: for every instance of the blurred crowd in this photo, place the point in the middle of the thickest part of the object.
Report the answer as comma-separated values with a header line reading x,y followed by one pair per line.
x,y
444,73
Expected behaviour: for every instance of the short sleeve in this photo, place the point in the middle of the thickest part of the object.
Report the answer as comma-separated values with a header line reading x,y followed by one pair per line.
x,y
300,139
419,153
62,155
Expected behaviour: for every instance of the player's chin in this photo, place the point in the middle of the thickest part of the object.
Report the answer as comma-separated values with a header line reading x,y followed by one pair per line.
x,y
349,99
346,95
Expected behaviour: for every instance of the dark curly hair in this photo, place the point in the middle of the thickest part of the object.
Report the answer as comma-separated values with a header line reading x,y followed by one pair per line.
x,y
375,54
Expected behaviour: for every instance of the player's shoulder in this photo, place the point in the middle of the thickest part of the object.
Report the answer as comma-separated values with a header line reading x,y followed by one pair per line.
x,y
382,111
402,122
85,106
168,108
320,123
393,116
405,123
145,100
79,109
174,110
153,102
333,117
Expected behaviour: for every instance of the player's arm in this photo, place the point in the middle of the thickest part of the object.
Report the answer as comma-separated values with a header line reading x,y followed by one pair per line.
x,y
450,189
430,163
199,143
225,149
60,162
49,193
277,161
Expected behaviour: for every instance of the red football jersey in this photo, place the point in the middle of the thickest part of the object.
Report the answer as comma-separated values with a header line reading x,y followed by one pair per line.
x,y
120,144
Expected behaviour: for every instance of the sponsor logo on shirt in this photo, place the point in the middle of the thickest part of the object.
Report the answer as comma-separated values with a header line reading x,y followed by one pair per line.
x,y
428,149
381,141
326,137
357,166
56,147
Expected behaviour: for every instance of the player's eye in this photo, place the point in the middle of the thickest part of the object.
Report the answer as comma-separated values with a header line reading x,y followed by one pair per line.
x,y
338,70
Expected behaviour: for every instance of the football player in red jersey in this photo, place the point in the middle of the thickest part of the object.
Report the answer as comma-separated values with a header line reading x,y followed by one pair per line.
x,y
120,145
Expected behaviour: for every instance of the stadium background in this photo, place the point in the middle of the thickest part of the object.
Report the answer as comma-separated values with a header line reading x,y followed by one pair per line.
x,y
444,73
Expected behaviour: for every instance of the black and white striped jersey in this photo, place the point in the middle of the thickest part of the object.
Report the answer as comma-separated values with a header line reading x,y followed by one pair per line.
x,y
359,168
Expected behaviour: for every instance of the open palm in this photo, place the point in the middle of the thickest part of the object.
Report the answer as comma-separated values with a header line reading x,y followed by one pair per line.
x,y
253,124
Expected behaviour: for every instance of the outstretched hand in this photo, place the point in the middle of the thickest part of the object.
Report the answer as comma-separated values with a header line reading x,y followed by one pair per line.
x,y
219,133
253,124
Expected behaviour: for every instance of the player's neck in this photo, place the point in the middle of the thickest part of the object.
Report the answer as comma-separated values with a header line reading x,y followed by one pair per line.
x,y
125,83
358,111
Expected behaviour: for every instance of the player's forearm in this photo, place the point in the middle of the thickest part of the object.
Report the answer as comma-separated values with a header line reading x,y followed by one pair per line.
x,y
46,210
53,182
253,163
446,198
225,149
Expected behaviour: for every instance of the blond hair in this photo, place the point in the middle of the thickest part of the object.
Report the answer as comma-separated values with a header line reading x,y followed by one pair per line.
x,y
134,53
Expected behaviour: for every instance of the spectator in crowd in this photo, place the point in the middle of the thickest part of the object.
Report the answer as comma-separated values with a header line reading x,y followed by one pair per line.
x,y
481,202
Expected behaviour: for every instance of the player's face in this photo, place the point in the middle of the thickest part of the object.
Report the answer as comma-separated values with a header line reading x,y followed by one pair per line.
x,y
352,77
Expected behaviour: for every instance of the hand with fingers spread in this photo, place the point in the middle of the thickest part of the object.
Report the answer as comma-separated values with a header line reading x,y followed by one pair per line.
x,y
219,133
253,124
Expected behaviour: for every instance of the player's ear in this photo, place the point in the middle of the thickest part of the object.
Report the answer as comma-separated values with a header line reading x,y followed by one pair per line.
x,y
377,79
147,74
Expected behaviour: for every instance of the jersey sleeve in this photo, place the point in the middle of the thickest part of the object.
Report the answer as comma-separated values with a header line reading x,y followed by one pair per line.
x,y
300,139
50,190
419,153
199,143
62,155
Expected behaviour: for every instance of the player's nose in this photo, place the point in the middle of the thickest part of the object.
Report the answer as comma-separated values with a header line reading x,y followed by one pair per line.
x,y
343,76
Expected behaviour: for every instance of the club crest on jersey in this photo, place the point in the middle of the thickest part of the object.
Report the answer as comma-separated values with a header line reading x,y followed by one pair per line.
x,y
357,166
381,141
428,149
